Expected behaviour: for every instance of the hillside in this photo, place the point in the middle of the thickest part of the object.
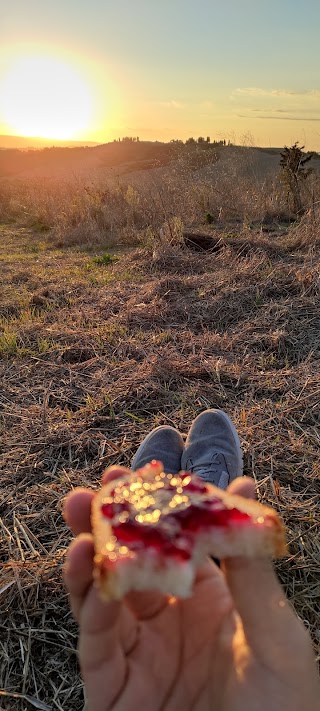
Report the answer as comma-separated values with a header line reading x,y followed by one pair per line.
x,y
50,162
33,142
120,158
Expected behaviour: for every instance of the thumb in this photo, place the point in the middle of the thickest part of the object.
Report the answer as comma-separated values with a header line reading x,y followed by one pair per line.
x,y
269,622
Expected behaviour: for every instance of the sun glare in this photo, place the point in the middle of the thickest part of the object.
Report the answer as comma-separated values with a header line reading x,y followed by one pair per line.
x,y
46,97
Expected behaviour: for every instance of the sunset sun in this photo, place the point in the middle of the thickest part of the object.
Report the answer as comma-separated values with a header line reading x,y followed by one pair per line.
x,y
46,97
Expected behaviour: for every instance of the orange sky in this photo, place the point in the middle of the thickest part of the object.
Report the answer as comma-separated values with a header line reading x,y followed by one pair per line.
x,y
249,73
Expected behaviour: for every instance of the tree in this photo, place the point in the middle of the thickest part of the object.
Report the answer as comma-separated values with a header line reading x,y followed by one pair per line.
x,y
294,172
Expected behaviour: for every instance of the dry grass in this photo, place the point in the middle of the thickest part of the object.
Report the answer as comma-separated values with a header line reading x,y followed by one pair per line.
x,y
111,207
96,355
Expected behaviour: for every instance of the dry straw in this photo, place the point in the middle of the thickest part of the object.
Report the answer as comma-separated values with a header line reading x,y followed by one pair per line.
x,y
132,345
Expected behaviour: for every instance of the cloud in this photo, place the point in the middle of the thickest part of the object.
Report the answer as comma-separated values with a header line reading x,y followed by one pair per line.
x,y
257,91
172,104
297,111
277,104
263,111
280,118
204,105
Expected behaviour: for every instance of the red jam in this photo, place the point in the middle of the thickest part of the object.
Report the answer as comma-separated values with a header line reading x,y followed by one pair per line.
x,y
172,534
111,510
204,515
192,487
196,488
134,533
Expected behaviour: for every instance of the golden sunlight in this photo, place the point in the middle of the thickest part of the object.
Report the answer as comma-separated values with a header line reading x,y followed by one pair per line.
x,y
46,97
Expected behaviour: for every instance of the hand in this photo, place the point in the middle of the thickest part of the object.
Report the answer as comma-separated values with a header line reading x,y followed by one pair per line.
x,y
235,644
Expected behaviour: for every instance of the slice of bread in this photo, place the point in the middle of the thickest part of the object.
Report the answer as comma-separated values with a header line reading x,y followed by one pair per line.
x,y
152,530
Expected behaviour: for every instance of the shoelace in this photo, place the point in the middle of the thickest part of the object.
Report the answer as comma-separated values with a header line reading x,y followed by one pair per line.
x,y
207,472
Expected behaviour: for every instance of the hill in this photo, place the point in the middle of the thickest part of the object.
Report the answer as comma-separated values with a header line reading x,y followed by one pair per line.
x,y
65,161
57,161
35,142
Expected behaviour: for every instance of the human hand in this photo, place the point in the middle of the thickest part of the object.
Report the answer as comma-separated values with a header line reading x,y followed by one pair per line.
x,y
235,644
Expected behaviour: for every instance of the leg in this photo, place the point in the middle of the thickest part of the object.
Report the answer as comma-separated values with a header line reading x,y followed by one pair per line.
x,y
163,443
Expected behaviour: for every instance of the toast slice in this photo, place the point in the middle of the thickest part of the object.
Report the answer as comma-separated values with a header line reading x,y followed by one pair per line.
x,y
152,530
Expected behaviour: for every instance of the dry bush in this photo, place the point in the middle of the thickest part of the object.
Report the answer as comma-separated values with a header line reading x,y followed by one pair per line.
x,y
229,186
232,191
306,232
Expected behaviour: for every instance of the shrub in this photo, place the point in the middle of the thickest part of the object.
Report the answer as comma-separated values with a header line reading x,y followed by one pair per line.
x,y
294,173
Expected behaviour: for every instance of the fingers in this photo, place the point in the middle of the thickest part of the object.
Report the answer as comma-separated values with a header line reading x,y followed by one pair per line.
x,y
77,510
242,486
206,570
104,626
114,473
267,617
147,604
77,505
257,594
269,622
78,580
78,571
89,610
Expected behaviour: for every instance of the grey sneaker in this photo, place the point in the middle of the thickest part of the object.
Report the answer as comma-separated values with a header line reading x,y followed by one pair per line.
x,y
212,449
163,443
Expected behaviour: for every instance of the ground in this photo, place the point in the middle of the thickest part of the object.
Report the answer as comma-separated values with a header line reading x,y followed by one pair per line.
x,y
97,350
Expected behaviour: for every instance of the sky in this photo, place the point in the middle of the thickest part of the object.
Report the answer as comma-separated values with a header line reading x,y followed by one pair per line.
x,y
244,70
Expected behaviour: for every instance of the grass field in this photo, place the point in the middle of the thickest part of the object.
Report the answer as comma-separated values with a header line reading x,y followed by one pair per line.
x,y
95,351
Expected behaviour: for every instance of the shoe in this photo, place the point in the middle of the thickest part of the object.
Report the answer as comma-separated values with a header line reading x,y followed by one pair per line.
x,y
163,443
212,449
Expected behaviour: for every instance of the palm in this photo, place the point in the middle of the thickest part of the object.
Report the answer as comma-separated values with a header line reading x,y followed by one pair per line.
x,y
175,655
165,656
152,654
